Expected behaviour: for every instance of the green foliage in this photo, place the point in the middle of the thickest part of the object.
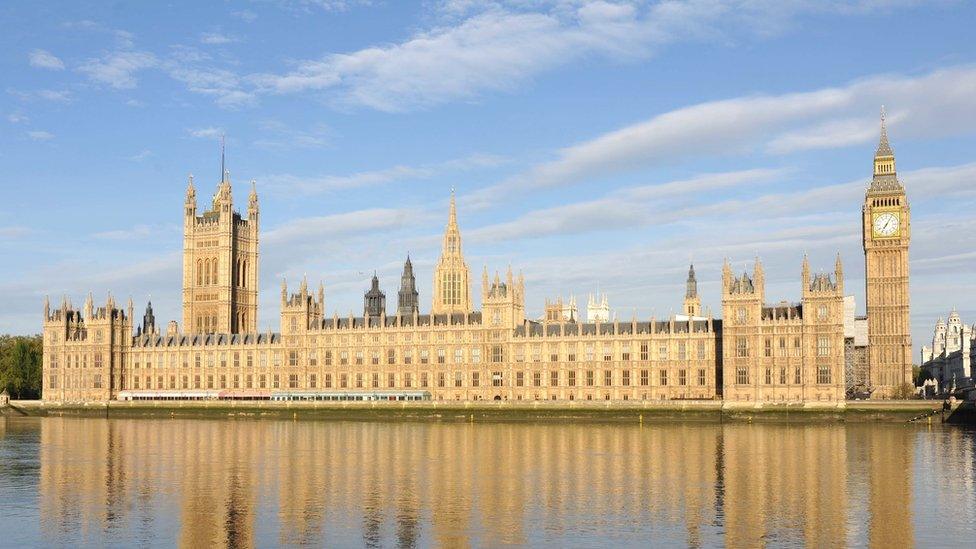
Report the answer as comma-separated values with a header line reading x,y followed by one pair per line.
x,y
20,366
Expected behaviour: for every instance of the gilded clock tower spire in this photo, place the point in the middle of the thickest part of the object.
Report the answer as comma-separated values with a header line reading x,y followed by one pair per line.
x,y
886,235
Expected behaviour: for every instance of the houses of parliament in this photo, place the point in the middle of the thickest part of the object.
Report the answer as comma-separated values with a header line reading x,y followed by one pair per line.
x,y
761,351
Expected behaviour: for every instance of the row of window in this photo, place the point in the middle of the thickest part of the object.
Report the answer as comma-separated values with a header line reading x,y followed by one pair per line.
x,y
72,382
781,376
423,356
359,380
781,350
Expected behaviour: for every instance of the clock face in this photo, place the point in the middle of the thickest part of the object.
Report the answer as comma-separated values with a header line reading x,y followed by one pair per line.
x,y
886,224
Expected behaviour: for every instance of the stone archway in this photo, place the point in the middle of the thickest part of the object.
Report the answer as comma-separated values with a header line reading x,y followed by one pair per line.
x,y
498,397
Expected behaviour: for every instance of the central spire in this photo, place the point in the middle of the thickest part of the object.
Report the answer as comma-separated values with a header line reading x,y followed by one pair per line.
x,y
451,290
452,234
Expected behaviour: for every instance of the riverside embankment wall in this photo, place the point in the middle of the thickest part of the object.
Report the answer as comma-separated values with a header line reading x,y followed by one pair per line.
x,y
628,412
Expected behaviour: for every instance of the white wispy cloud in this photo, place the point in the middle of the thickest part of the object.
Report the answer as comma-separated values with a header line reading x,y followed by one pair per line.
x,y
118,69
57,96
40,135
920,106
216,38
132,233
141,155
247,16
45,60
281,136
494,46
209,132
326,183
630,207
17,118
327,5
221,84
309,229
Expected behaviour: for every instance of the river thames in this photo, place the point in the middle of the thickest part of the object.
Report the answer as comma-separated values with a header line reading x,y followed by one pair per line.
x,y
241,483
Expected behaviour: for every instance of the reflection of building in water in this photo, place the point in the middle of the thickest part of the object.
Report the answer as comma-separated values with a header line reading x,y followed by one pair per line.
x,y
245,483
891,451
783,480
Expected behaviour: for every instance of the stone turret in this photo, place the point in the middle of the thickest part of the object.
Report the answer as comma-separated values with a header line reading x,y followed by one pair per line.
x,y
407,302
374,301
692,304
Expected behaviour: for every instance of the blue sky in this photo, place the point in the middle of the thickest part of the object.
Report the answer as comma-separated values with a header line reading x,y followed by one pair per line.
x,y
591,143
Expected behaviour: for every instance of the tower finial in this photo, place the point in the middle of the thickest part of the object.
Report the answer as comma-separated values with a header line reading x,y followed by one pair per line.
x,y
452,217
884,149
223,168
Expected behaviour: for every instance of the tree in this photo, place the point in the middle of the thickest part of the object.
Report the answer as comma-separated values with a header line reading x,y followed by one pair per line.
x,y
20,366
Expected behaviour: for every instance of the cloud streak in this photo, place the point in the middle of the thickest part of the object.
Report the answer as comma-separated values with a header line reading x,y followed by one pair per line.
x,y
45,60
498,46
932,104
383,176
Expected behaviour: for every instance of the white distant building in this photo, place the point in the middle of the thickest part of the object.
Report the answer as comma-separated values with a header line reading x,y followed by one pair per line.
x,y
597,308
949,360
561,311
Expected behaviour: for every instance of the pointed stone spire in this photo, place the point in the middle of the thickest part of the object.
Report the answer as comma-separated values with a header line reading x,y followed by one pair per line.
x,y
805,272
839,274
692,303
484,283
47,307
223,165
284,291
451,289
149,320
452,215
691,285
407,299
885,178
252,200
884,149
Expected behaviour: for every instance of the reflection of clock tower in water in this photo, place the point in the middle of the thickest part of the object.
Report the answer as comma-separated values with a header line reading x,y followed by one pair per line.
x,y
886,233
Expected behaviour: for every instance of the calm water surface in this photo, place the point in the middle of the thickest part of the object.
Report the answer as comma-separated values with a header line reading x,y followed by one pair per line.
x,y
140,482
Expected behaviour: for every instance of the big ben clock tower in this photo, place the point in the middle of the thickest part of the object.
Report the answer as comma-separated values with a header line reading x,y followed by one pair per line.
x,y
886,233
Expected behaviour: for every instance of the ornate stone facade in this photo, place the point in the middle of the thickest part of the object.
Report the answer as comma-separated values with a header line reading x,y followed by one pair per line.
x,y
452,287
886,235
762,353
220,264
783,352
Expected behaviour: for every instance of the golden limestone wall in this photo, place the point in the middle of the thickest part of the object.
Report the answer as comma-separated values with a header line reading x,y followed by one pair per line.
x,y
788,352
84,351
886,235
622,361
760,353
220,264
